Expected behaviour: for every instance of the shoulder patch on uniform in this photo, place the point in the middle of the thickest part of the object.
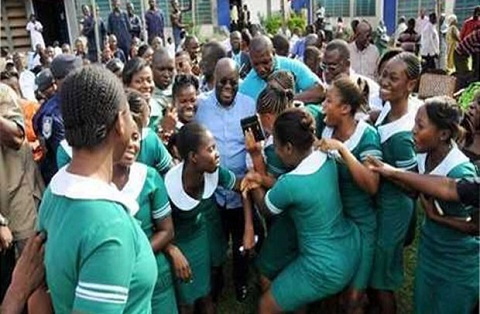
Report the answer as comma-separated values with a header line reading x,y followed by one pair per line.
x,y
47,125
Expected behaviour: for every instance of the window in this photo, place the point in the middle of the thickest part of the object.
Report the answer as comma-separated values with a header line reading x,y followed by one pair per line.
x,y
464,9
411,8
365,7
336,8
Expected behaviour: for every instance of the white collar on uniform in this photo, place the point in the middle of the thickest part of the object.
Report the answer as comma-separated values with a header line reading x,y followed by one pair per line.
x,y
268,141
136,181
354,139
84,188
405,123
67,148
178,196
310,164
454,158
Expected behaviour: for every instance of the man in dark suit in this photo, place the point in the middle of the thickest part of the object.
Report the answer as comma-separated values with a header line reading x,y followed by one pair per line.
x,y
240,57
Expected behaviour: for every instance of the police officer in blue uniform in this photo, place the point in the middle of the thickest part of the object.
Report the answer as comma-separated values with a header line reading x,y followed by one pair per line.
x,y
48,121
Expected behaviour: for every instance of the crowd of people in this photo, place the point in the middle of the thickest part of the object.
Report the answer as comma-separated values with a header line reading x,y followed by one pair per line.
x,y
128,181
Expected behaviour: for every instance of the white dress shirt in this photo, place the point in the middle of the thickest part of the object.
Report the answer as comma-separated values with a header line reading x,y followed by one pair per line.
x,y
364,61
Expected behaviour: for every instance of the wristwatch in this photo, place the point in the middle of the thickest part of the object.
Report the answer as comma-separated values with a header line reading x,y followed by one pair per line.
x,y
3,221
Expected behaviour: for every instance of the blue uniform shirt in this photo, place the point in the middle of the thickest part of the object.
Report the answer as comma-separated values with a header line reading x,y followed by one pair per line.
x,y
304,78
224,123
48,126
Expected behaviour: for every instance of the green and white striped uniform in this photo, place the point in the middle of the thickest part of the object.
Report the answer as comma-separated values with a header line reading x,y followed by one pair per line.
x,y
394,207
358,205
191,235
97,258
146,186
446,278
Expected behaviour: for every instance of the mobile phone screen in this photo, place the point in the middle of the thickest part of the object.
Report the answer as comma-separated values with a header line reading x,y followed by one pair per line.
x,y
253,123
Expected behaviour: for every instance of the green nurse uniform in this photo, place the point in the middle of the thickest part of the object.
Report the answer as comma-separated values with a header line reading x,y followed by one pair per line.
x,y
147,187
153,153
329,244
358,205
191,234
394,206
280,246
97,258
446,279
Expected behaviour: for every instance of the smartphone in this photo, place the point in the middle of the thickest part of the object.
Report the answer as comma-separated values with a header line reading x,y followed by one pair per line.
x,y
253,123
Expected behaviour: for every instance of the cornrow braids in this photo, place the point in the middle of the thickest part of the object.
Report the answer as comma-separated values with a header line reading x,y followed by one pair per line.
x,y
90,97
182,81
274,100
283,79
444,112
414,67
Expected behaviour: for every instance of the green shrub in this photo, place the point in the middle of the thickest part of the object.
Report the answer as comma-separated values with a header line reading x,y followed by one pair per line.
x,y
297,20
273,23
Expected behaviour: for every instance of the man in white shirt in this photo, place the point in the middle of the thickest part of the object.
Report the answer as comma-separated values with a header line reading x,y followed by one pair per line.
x,y
421,22
336,63
35,29
430,43
26,78
364,55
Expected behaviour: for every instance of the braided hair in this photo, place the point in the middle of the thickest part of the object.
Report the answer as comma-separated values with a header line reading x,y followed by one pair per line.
x,y
91,98
412,62
297,127
445,114
182,81
282,79
274,100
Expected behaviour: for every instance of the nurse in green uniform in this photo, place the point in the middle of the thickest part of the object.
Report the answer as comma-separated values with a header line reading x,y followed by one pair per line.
x,y
351,141
446,278
280,246
190,185
329,244
105,264
184,93
152,151
143,183
394,206
137,74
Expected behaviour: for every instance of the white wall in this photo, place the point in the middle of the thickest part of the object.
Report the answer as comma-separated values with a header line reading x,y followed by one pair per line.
x,y
257,7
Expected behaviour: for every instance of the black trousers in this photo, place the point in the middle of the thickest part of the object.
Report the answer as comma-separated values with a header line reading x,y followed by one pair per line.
x,y
233,222
428,63
7,264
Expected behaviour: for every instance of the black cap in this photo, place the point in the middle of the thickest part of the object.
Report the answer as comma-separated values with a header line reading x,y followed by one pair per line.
x,y
44,80
63,64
